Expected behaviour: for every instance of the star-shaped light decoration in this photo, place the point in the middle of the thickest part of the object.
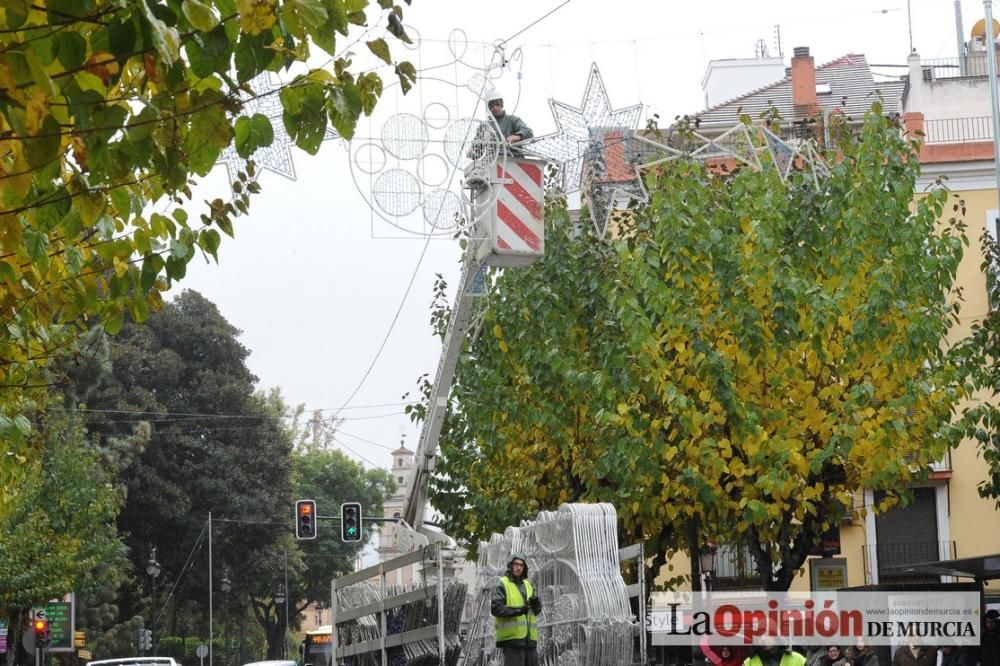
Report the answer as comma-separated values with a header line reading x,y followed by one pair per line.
x,y
598,150
277,157
782,153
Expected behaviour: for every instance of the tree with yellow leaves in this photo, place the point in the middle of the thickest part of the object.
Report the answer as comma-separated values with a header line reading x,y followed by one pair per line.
x,y
743,358
110,106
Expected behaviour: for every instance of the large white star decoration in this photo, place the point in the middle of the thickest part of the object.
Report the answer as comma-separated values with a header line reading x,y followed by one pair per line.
x,y
598,150
277,157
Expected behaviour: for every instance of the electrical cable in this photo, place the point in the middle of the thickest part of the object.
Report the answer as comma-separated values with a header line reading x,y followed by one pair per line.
x,y
356,453
392,326
366,441
183,573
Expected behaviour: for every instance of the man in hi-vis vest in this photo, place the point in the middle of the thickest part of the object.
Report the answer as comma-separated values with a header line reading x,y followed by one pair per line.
x,y
515,610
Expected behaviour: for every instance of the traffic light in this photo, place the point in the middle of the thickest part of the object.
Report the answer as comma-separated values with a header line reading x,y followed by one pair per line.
x,y
43,635
305,519
145,639
350,521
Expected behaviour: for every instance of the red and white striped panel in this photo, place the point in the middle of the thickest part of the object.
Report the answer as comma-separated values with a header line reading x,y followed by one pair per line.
x,y
519,226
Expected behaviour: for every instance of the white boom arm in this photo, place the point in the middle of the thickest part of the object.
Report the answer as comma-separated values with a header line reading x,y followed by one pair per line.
x,y
451,349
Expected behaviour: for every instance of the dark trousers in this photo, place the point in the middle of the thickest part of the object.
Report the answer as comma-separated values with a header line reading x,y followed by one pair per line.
x,y
520,656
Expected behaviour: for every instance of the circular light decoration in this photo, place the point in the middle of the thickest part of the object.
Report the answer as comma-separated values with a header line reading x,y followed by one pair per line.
x,y
429,162
370,158
433,171
397,192
443,210
436,115
404,135
468,139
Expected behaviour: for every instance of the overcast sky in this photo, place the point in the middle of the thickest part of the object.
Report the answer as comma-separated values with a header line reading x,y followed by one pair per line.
x,y
314,278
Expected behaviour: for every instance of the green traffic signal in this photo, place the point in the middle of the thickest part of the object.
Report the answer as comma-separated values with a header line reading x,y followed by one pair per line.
x,y
350,521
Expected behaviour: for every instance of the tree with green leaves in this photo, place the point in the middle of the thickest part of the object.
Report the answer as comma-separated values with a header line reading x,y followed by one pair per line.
x,y
330,478
59,535
744,357
111,106
213,446
981,351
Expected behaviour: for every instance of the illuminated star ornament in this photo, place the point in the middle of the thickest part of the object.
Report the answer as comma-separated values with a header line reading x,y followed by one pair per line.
x,y
277,157
599,151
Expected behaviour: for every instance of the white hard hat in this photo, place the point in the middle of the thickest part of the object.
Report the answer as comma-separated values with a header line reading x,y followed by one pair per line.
x,y
491,94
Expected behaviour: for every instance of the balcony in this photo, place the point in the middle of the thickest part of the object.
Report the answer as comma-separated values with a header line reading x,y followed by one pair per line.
x,y
958,130
883,556
970,66
735,568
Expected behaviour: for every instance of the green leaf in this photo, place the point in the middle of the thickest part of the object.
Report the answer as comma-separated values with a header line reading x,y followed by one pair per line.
x,y
209,241
381,49
16,12
114,324
347,107
311,13
200,16
7,273
251,57
370,88
151,267
166,39
43,148
71,49
252,133
176,268
207,135
407,75
39,75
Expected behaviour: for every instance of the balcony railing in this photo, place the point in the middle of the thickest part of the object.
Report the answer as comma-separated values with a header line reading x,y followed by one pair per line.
x,y
942,465
958,130
972,65
735,568
886,556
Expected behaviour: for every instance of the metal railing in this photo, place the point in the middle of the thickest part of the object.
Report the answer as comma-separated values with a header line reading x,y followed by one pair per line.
x,y
885,556
958,130
972,65
735,568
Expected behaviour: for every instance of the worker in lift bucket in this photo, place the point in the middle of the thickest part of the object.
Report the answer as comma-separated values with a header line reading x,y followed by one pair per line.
x,y
515,609
512,128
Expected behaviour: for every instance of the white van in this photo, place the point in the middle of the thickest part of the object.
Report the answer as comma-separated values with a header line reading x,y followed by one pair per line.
x,y
135,661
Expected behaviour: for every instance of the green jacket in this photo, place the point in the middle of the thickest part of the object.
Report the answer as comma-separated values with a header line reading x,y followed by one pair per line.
x,y
511,124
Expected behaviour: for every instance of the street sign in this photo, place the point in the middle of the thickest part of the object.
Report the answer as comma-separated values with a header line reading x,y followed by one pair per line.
x,y
60,617
79,639
202,651
84,655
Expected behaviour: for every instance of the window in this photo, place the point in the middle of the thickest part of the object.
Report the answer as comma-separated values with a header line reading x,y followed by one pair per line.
x,y
400,479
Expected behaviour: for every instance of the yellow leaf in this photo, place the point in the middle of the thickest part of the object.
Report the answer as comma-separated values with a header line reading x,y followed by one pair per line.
x,y
503,347
256,16
37,110
497,331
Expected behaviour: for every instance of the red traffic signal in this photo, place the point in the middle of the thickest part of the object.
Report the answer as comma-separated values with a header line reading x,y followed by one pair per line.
x,y
305,519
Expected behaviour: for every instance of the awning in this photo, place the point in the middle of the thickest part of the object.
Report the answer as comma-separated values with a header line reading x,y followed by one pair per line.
x,y
983,567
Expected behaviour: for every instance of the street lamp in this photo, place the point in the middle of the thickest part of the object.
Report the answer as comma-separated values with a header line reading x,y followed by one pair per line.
x,y
706,558
280,598
153,570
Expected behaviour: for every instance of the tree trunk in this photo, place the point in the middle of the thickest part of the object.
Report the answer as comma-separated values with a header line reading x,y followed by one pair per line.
x,y
694,541
275,640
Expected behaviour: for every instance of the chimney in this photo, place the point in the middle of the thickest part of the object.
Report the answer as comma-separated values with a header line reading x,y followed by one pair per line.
x,y
803,83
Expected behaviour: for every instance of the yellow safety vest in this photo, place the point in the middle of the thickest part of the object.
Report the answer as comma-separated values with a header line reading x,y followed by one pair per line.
x,y
518,626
